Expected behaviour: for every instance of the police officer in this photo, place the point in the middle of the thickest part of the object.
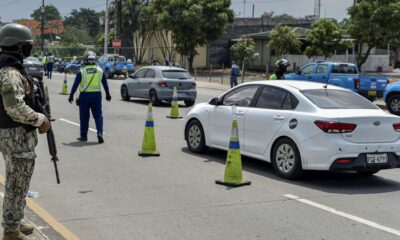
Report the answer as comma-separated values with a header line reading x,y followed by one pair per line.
x,y
280,69
235,73
89,80
18,123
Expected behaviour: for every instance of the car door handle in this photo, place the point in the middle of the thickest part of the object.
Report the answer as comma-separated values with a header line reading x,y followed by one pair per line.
x,y
279,117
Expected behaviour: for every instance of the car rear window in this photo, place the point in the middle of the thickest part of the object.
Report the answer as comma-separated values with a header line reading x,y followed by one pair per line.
x,y
117,59
344,69
337,99
175,74
31,61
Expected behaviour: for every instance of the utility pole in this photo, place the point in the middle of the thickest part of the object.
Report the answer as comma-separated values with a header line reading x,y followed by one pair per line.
x,y
244,8
253,11
118,21
42,30
106,30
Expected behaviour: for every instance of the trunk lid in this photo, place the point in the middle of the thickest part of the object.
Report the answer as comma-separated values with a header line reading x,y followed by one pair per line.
x,y
180,84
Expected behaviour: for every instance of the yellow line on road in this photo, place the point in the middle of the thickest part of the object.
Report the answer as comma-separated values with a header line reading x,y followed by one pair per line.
x,y
56,225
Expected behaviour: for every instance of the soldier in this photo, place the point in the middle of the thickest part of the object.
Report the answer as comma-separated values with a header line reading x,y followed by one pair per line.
x,y
18,123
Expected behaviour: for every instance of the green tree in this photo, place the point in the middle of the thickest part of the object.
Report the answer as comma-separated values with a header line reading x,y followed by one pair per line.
x,y
284,41
50,13
84,18
193,22
324,38
244,51
374,23
74,36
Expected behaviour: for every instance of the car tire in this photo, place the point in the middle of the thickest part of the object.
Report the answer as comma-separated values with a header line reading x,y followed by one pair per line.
x,y
366,173
195,138
154,98
189,103
286,159
393,104
125,94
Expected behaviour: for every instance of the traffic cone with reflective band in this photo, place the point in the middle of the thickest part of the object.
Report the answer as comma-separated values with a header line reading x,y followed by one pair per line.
x,y
174,114
233,168
64,89
149,147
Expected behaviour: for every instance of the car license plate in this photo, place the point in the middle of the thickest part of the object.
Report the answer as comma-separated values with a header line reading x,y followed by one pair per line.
x,y
377,158
32,68
371,93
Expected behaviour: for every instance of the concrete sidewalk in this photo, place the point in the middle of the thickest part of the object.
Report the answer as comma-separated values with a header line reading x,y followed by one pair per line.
x,y
204,83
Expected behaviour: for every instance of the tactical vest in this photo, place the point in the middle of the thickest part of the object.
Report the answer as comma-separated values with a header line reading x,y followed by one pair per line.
x,y
5,120
91,79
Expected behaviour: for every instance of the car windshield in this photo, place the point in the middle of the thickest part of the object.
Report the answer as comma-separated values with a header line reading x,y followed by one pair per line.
x,y
344,69
337,99
31,60
175,74
118,59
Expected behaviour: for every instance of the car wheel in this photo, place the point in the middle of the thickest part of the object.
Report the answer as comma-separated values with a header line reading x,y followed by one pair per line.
x,y
189,103
195,138
393,104
366,173
124,93
286,159
154,99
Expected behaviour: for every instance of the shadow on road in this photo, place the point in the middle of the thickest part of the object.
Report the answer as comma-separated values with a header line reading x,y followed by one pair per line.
x,y
146,102
338,183
80,144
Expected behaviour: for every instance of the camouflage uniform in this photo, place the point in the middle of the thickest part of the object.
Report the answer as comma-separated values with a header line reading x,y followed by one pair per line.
x,y
17,145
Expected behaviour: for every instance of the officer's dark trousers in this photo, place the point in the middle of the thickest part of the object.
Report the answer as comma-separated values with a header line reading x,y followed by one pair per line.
x,y
49,70
90,101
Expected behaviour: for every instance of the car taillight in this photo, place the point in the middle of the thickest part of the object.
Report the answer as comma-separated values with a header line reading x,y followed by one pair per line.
x,y
356,83
194,85
162,84
343,161
335,127
396,127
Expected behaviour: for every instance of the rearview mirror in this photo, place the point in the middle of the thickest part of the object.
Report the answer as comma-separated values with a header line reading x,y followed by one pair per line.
x,y
214,101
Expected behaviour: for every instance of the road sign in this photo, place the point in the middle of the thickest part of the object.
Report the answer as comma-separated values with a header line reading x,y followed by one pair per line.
x,y
116,43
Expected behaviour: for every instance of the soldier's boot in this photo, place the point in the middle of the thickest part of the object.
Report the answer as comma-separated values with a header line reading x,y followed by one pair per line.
x,y
100,138
15,236
25,227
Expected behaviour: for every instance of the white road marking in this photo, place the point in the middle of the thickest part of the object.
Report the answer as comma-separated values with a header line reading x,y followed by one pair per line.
x,y
345,215
78,125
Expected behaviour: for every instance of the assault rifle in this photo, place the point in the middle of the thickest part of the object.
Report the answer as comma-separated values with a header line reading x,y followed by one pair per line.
x,y
43,105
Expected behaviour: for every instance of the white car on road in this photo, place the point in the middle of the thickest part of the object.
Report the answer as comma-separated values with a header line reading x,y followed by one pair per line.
x,y
299,126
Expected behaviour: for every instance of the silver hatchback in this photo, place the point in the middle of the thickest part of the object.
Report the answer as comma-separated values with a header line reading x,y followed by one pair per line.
x,y
156,83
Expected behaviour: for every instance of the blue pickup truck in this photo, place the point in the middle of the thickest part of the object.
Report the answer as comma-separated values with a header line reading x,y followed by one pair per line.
x,y
344,75
391,96
113,64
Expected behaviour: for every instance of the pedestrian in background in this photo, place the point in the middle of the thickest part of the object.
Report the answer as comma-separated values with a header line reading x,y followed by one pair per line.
x,y
50,64
44,62
89,80
235,73
18,123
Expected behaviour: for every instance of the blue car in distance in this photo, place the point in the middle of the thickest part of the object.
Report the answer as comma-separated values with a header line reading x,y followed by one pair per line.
x,y
345,75
391,96
114,64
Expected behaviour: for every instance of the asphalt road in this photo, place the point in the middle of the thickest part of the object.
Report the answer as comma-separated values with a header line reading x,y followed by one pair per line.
x,y
108,192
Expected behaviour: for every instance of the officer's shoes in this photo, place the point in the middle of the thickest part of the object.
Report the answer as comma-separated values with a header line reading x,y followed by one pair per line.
x,y
82,139
15,236
25,227
100,138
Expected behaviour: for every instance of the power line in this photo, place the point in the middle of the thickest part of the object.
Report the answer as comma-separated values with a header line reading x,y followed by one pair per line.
x,y
9,3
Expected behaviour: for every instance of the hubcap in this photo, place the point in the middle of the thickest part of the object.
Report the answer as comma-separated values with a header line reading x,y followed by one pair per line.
x,y
395,105
285,158
194,136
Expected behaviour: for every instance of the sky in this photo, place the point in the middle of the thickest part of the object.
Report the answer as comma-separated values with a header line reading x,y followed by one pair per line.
x,y
16,9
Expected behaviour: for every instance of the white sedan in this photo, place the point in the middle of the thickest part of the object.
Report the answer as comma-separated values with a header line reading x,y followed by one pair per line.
x,y
299,126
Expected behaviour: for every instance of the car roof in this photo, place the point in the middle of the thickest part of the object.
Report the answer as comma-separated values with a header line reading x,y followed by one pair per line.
x,y
294,84
334,63
162,68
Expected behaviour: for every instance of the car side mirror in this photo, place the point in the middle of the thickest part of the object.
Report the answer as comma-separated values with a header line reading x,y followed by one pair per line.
x,y
214,101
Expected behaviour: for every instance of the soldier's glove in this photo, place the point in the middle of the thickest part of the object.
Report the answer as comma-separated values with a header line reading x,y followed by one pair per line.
x,y
108,97
70,99
45,127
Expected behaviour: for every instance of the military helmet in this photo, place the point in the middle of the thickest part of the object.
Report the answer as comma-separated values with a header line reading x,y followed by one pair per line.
x,y
89,57
13,34
282,63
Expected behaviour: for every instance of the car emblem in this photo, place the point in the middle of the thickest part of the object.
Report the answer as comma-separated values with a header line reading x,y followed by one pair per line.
x,y
293,123
377,123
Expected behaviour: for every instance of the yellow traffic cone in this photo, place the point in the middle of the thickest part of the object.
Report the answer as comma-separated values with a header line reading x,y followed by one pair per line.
x,y
233,168
174,114
64,89
149,147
